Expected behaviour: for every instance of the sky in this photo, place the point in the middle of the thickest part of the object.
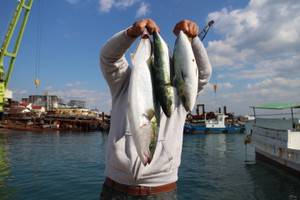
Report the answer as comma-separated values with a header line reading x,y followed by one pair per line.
x,y
254,47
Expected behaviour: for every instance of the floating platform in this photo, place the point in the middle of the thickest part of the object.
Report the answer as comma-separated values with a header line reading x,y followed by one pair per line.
x,y
56,123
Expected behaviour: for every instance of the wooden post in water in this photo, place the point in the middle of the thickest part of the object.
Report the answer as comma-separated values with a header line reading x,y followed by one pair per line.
x,y
293,124
254,114
103,116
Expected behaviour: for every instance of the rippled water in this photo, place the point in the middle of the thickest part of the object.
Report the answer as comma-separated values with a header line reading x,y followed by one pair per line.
x,y
35,166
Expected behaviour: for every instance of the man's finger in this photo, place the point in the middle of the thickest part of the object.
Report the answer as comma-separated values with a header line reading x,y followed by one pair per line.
x,y
140,26
185,28
151,26
193,30
150,29
176,30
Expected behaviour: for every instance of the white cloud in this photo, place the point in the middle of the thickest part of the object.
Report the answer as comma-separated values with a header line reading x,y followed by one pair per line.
x,y
122,4
77,91
107,5
260,49
19,93
277,89
74,90
74,84
220,86
73,1
143,10
262,29
227,85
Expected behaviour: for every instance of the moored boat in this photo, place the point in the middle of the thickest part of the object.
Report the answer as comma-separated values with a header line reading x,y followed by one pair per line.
x,y
277,140
212,125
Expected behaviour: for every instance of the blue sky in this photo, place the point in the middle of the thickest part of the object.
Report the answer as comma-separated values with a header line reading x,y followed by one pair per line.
x,y
72,32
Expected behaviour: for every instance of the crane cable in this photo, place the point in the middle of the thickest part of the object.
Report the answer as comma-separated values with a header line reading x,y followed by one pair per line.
x,y
202,35
38,46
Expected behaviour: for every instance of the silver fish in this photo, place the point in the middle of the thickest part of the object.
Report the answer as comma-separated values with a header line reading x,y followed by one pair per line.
x,y
185,71
141,109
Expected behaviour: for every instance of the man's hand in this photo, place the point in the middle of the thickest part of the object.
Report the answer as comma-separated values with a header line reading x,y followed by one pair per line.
x,y
189,27
139,27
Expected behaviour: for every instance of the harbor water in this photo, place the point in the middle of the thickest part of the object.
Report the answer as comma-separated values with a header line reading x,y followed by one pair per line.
x,y
59,166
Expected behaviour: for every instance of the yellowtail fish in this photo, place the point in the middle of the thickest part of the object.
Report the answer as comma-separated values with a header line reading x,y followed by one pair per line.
x,y
141,109
185,71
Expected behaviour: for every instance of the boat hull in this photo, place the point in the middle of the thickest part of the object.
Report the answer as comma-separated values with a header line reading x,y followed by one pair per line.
x,y
278,146
277,161
202,129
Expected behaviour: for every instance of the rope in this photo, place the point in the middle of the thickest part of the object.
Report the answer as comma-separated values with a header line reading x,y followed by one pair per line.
x,y
38,41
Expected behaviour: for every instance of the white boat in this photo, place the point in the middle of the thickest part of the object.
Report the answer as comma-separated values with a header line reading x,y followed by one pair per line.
x,y
277,140
217,123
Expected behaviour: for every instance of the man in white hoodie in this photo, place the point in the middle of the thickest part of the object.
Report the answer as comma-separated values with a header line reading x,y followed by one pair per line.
x,y
126,176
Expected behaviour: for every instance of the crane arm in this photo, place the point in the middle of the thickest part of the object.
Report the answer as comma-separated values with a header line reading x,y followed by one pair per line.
x,y
25,6
204,31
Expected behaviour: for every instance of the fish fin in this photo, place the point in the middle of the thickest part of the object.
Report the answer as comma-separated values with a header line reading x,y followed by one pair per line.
x,y
150,114
154,136
150,59
182,76
157,112
172,70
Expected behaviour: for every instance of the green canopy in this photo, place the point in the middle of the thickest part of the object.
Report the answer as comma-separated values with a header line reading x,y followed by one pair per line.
x,y
277,106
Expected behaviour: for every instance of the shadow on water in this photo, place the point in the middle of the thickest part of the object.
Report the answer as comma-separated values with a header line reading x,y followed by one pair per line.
x,y
6,192
270,182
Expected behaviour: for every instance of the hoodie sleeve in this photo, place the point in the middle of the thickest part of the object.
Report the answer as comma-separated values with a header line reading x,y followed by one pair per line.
x,y
204,66
113,63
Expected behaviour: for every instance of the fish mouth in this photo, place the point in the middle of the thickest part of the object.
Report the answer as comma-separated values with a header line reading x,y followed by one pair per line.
x,y
145,34
147,159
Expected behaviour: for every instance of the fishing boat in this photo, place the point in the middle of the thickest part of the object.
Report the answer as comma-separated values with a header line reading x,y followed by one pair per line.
x,y
212,125
277,140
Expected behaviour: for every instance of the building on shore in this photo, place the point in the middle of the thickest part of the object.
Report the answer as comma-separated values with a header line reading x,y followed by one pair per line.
x,y
48,112
77,104
48,101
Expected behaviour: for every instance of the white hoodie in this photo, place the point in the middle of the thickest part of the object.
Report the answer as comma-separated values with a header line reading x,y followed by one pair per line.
x,y
122,162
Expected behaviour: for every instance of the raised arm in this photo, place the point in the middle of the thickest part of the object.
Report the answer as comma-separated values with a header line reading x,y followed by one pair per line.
x,y
113,62
204,67
112,59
